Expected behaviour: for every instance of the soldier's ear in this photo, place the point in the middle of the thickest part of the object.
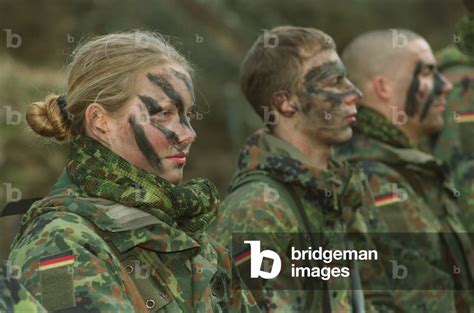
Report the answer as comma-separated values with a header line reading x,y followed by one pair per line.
x,y
96,118
382,88
282,103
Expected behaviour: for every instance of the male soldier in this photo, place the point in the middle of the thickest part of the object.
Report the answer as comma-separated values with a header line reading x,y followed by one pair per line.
x,y
404,97
286,180
13,296
454,144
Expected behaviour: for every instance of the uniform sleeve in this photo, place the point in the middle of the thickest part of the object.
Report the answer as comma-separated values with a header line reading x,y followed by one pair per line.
x,y
404,230
66,265
258,208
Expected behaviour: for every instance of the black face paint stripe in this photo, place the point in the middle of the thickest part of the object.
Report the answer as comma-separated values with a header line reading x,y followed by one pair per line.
x,y
465,83
151,104
170,135
143,144
411,102
173,95
168,90
319,73
438,86
187,81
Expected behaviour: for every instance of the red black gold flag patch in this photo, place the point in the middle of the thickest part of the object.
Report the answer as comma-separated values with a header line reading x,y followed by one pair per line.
x,y
57,260
387,199
465,117
242,257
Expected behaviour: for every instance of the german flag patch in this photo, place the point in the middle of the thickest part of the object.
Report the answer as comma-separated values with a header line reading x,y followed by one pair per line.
x,y
57,260
387,199
57,281
242,257
465,117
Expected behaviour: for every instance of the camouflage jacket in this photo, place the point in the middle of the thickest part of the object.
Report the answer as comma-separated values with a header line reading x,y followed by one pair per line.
x,y
14,297
454,143
96,255
413,195
330,201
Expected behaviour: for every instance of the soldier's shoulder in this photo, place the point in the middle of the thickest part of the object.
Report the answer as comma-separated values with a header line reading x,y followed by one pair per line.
x,y
260,202
54,232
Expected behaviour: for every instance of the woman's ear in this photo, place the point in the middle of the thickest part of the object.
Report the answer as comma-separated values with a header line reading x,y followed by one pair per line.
x,y
97,122
382,88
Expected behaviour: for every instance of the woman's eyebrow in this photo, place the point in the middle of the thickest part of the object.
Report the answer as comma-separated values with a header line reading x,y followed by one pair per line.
x,y
151,104
168,89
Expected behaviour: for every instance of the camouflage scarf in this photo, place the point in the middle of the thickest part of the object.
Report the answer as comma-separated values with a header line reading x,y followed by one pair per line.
x,y
281,161
376,126
99,172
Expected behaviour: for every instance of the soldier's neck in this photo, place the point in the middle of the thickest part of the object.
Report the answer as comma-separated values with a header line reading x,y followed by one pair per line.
x,y
317,153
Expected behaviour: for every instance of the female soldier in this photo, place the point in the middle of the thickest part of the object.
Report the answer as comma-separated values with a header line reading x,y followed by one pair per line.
x,y
117,233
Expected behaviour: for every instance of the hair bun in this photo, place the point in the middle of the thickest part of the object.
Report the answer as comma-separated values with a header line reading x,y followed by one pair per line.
x,y
46,119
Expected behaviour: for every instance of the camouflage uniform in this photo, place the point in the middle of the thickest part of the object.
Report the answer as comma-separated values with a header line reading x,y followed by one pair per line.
x,y
275,191
85,248
454,143
14,297
413,194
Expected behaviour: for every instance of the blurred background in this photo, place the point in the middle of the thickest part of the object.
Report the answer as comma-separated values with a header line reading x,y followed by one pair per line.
x,y
37,37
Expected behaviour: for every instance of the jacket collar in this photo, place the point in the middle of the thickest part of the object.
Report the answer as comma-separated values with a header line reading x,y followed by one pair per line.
x,y
126,227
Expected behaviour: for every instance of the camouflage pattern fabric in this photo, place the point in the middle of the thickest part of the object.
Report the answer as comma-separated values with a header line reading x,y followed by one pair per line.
x,y
413,194
454,143
102,173
330,199
14,297
83,253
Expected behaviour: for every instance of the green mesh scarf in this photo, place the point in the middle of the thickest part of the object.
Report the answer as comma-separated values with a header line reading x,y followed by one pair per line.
x,y
99,172
374,125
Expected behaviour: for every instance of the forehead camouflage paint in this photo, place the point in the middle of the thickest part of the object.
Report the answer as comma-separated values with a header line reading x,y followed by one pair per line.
x,y
317,77
154,107
187,82
412,103
319,73
151,104
172,94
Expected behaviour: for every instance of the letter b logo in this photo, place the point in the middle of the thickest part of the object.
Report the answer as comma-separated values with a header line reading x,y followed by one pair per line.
x,y
256,260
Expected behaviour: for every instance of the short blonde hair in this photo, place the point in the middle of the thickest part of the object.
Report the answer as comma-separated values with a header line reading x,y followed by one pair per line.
x,y
104,70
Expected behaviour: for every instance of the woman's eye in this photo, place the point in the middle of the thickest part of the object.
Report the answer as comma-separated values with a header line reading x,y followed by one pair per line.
x,y
190,115
163,114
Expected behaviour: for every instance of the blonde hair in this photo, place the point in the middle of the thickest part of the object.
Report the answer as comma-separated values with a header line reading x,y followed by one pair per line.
x,y
104,70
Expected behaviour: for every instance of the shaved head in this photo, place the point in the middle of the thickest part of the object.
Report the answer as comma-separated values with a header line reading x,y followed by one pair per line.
x,y
376,53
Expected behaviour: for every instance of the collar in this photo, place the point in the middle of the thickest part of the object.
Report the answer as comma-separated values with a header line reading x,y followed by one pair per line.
x,y
374,125
126,227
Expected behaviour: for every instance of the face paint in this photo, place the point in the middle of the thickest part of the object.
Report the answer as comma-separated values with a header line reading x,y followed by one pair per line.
x,y
465,83
187,81
143,144
327,101
412,103
153,107
171,93
333,94
151,104
438,86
